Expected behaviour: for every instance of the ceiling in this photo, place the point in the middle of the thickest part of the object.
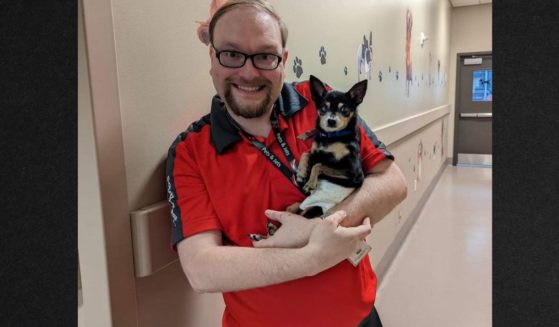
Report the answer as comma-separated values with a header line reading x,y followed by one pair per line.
x,y
462,3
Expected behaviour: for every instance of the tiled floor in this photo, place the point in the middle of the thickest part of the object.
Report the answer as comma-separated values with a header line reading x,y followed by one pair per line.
x,y
441,277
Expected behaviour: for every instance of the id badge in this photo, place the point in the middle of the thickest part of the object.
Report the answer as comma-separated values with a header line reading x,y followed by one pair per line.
x,y
360,254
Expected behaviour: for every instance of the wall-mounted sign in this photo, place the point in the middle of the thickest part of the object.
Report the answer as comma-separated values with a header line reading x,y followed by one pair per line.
x,y
473,61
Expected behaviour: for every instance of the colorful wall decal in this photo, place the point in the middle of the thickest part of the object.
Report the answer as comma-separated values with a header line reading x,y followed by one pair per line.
x,y
365,57
297,67
430,62
419,159
409,77
322,55
203,26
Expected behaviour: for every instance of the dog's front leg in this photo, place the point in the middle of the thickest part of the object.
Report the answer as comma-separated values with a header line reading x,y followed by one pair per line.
x,y
335,173
312,182
303,169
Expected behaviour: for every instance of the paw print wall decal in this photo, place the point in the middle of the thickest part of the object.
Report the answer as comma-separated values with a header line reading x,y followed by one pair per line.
x,y
322,54
297,67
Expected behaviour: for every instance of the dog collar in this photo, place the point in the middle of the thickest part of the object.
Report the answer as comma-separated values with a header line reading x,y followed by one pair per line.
x,y
333,135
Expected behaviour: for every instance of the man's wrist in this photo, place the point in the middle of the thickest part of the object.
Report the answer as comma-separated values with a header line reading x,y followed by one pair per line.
x,y
310,254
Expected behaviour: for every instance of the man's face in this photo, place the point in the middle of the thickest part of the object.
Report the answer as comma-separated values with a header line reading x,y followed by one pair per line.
x,y
247,91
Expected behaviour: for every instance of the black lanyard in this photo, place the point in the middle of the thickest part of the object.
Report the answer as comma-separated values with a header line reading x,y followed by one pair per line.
x,y
289,173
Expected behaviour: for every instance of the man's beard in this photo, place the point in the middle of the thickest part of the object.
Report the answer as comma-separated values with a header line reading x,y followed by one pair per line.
x,y
253,111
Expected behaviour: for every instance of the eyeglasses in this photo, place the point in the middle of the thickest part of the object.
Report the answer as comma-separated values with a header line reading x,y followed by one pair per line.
x,y
235,59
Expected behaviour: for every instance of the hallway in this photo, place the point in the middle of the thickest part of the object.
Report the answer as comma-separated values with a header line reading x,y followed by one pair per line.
x,y
441,277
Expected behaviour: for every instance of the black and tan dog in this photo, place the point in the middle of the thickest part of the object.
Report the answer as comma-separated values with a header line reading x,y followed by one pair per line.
x,y
334,156
332,169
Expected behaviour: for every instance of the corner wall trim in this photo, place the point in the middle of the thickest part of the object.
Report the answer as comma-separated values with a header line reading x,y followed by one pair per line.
x,y
393,132
402,234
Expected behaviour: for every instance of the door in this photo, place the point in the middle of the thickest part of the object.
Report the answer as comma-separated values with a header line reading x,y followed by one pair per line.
x,y
473,110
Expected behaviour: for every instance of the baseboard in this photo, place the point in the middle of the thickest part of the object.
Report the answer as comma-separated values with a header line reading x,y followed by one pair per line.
x,y
392,251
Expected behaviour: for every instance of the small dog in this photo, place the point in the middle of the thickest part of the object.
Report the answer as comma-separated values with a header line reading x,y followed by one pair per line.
x,y
332,169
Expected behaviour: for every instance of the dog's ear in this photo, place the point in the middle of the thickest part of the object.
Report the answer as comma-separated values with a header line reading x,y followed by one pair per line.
x,y
317,89
357,92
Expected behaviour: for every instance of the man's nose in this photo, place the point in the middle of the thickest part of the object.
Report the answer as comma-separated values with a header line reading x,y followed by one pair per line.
x,y
248,70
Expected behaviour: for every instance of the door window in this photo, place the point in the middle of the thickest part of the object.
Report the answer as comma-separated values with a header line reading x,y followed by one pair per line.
x,y
482,85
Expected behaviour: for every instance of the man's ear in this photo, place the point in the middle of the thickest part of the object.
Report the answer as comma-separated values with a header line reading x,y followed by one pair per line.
x,y
284,57
211,52
357,92
317,89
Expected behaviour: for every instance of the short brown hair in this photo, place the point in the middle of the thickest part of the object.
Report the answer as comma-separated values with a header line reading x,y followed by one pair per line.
x,y
262,5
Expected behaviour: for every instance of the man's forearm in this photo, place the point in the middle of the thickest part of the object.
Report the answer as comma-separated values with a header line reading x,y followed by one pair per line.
x,y
382,189
212,267
231,268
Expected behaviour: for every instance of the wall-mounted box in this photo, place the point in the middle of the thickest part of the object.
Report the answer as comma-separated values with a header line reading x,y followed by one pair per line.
x,y
151,237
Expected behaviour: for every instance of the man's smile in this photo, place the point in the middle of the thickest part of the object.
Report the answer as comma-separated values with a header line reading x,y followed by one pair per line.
x,y
248,88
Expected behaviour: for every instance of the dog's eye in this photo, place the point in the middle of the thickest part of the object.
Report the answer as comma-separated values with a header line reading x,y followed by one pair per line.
x,y
322,110
345,111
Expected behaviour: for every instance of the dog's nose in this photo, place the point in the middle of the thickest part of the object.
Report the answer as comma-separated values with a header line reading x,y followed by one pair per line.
x,y
331,123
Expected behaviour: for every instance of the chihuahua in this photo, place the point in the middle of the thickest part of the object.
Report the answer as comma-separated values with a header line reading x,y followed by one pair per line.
x,y
332,169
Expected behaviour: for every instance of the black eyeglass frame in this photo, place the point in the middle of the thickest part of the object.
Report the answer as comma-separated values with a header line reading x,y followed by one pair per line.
x,y
247,56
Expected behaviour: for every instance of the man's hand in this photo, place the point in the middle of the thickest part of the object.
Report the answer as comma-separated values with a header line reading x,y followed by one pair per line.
x,y
331,242
294,231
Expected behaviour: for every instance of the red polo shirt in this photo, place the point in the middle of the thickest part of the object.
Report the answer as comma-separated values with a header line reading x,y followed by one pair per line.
x,y
218,180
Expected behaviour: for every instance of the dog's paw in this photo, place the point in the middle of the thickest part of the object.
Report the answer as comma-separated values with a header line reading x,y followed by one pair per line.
x,y
309,187
300,180
256,237
271,229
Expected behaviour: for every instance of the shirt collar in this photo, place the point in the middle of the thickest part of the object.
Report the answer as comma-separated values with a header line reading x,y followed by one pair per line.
x,y
224,130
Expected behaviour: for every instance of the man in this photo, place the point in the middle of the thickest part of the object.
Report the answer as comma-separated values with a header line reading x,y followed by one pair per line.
x,y
223,174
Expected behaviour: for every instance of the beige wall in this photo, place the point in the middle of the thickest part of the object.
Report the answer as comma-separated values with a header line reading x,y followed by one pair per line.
x,y
471,31
339,26
148,51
